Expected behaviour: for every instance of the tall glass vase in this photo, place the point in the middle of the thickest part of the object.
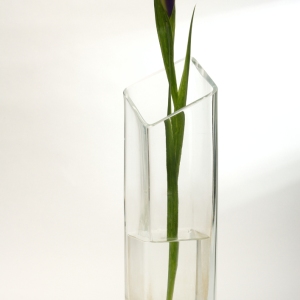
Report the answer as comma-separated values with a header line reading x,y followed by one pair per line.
x,y
157,266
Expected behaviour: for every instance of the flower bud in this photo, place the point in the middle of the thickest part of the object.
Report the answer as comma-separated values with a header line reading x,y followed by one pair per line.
x,y
168,6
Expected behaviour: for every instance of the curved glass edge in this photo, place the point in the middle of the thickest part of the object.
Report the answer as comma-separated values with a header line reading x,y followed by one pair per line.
x,y
203,74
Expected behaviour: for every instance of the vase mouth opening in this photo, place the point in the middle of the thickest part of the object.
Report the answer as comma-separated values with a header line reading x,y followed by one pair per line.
x,y
201,86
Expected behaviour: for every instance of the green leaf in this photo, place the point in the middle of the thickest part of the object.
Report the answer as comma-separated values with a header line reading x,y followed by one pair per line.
x,y
173,23
182,94
166,32
178,121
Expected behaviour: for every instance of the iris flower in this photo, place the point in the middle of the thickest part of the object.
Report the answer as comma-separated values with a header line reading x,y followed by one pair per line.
x,y
168,6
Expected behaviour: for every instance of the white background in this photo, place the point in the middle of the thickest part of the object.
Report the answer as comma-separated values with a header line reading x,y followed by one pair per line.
x,y
63,67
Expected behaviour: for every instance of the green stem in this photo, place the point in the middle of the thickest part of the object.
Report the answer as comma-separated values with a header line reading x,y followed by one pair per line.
x,y
173,262
174,138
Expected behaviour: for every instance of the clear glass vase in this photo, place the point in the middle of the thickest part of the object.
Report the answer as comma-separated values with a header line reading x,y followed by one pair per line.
x,y
157,266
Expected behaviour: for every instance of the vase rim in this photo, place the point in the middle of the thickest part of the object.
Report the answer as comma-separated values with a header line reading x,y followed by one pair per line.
x,y
203,74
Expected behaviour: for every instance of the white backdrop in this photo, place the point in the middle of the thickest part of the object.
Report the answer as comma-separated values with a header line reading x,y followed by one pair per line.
x,y
63,67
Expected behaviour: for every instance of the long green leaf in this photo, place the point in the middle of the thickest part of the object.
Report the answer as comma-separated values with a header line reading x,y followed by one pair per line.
x,y
182,95
173,22
165,27
179,120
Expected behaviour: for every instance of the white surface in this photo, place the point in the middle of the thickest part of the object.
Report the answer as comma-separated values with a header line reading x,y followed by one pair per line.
x,y
63,67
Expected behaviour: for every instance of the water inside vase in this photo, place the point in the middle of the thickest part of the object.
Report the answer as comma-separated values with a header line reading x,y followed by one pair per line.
x,y
147,269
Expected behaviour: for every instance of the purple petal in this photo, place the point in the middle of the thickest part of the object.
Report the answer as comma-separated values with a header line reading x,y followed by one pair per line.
x,y
170,5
